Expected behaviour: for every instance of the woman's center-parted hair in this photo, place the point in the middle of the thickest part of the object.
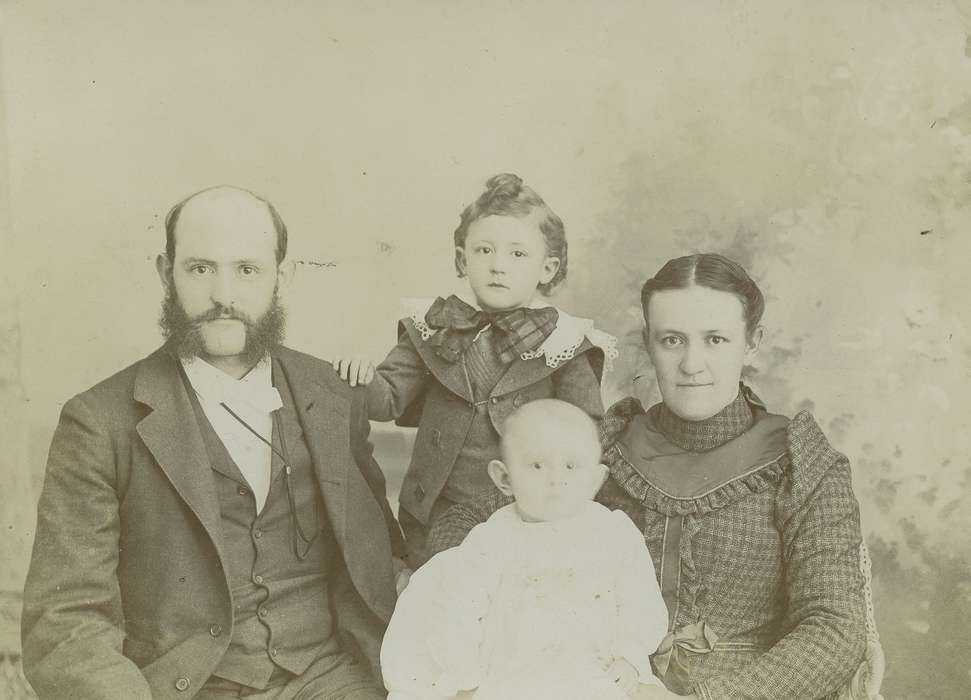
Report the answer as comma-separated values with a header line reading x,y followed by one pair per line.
x,y
714,272
507,195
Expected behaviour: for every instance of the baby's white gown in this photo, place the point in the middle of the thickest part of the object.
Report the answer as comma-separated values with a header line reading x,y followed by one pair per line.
x,y
528,611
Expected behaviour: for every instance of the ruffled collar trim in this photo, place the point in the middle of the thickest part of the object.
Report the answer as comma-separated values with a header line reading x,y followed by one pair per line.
x,y
559,347
671,480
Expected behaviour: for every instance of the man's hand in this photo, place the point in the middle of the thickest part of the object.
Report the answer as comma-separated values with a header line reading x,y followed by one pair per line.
x,y
624,675
402,574
355,370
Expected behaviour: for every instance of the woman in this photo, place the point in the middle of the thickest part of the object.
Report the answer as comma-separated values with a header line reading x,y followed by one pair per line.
x,y
750,517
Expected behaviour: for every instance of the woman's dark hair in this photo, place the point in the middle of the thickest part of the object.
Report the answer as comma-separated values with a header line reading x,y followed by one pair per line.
x,y
507,195
713,271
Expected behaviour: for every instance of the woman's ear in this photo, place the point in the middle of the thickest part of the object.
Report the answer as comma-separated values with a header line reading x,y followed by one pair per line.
x,y
460,264
550,267
753,342
499,473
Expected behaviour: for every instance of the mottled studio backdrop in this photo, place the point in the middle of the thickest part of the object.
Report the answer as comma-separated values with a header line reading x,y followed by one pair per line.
x,y
825,145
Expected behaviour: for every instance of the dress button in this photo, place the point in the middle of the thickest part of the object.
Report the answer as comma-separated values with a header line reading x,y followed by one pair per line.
x,y
257,579
257,534
494,399
242,492
215,630
182,684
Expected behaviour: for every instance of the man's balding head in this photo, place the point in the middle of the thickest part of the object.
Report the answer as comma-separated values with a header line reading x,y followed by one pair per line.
x,y
236,199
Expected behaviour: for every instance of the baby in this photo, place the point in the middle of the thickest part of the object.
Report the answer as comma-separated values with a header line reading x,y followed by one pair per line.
x,y
554,597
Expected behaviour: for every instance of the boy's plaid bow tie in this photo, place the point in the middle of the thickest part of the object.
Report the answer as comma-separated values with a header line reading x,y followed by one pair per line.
x,y
516,330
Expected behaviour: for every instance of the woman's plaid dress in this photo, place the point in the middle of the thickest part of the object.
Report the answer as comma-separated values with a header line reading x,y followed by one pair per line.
x,y
754,531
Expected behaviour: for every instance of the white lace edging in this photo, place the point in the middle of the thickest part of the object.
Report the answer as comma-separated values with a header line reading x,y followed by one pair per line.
x,y
415,309
559,347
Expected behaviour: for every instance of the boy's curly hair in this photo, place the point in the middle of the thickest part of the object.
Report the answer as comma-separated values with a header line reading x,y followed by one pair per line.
x,y
507,195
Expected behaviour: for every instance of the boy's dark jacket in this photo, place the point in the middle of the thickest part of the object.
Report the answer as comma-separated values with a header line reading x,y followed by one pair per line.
x,y
436,395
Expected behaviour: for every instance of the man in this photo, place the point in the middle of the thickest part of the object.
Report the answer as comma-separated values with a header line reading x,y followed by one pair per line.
x,y
212,523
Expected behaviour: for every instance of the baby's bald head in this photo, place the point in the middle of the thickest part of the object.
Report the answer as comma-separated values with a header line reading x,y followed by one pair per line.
x,y
550,460
550,422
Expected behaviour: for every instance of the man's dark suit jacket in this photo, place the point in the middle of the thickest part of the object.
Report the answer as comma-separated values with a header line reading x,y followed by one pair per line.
x,y
126,593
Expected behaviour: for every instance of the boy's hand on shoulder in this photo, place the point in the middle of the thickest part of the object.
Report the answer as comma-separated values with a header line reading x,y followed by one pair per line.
x,y
355,369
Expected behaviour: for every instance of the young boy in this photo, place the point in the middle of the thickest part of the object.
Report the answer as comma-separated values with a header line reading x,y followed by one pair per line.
x,y
461,366
553,597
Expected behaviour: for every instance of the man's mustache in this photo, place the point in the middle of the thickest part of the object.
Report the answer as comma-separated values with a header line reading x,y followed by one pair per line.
x,y
221,313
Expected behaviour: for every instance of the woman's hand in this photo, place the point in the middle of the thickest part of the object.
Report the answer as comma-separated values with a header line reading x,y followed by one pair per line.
x,y
355,370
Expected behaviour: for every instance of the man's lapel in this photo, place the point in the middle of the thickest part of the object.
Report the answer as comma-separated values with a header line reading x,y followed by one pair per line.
x,y
172,435
323,404
324,415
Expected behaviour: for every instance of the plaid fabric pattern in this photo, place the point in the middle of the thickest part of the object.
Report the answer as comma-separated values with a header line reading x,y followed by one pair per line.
x,y
704,435
451,527
774,570
516,331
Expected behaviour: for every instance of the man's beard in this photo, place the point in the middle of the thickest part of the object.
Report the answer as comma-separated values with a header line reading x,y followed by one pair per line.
x,y
185,337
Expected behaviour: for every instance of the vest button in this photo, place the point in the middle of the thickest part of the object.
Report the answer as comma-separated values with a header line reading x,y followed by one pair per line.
x,y
215,630
257,579
182,684
257,534
263,612
241,491
273,651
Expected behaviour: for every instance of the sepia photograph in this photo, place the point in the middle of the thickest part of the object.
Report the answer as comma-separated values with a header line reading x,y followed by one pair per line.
x,y
509,350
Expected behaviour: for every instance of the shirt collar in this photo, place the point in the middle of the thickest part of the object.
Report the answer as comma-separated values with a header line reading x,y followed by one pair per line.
x,y
254,389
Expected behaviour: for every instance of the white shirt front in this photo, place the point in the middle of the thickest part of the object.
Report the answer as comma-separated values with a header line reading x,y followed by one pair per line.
x,y
253,398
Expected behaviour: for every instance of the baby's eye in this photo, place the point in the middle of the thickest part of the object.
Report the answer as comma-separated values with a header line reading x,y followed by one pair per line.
x,y
519,253
537,465
569,465
483,249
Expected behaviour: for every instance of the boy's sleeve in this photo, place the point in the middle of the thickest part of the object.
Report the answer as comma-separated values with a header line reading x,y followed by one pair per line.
x,y
398,381
576,382
642,617
432,646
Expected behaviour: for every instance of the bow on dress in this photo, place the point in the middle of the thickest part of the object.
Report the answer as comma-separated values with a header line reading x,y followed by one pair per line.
x,y
672,653
516,331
